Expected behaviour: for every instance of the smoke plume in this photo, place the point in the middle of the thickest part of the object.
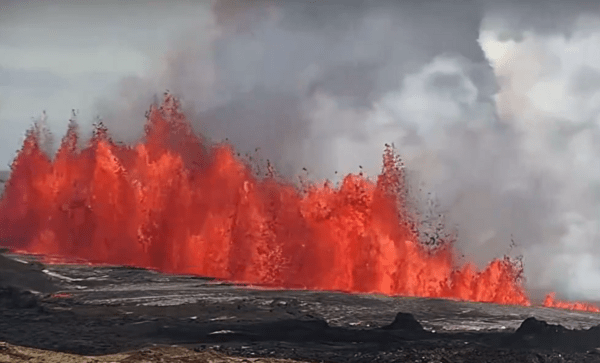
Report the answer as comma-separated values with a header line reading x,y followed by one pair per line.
x,y
494,108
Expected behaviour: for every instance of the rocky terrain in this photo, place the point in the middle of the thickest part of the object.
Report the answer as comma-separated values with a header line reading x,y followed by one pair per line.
x,y
94,311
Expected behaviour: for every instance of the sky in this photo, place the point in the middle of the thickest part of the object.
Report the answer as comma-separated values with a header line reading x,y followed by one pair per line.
x,y
494,105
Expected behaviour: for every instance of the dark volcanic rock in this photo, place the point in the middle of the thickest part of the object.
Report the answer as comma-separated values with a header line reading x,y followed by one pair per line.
x,y
22,284
405,321
296,330
13,298
26,276
113,309
537,334
539,327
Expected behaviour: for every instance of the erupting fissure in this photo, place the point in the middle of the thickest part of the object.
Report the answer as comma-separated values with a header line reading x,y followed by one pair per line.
x,y
176,203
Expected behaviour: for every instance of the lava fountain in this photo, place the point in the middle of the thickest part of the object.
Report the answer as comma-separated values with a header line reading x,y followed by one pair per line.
x,y
176,203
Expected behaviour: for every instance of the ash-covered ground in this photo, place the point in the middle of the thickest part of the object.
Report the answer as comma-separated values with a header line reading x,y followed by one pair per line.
x,y
95,310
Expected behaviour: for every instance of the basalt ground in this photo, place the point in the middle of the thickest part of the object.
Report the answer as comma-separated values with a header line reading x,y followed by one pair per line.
x,y
83,313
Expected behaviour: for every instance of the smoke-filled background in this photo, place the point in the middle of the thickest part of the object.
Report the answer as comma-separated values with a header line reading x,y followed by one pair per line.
x,y
494,105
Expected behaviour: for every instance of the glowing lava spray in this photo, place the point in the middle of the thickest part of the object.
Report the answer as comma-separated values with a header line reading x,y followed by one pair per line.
x,y
176,203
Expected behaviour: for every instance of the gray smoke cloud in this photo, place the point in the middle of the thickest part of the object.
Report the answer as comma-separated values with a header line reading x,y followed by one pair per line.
x,y
493,106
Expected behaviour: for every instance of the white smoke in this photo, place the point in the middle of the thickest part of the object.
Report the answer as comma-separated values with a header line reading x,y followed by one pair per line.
x,y
549,93
493,107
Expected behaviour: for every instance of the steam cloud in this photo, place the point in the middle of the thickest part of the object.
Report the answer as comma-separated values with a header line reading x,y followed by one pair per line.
x,y
493,105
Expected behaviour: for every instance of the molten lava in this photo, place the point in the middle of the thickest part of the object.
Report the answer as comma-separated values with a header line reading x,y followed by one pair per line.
x,y
175,203
551,302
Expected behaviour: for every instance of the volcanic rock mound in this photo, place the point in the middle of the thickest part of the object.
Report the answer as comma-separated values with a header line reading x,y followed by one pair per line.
x,y
537,334
405,321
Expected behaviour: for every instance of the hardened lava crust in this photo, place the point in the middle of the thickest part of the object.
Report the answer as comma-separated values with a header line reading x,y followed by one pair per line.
x,y
99,310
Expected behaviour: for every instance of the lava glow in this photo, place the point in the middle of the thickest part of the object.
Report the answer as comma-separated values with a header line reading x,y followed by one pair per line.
x,y
551,302
175,203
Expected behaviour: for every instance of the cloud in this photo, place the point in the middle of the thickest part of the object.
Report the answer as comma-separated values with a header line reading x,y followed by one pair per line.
x,y
62,55
539,16
30,79
99,59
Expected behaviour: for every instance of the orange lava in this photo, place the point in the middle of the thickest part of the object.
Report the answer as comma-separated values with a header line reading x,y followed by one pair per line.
x,y
551,302
175,203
